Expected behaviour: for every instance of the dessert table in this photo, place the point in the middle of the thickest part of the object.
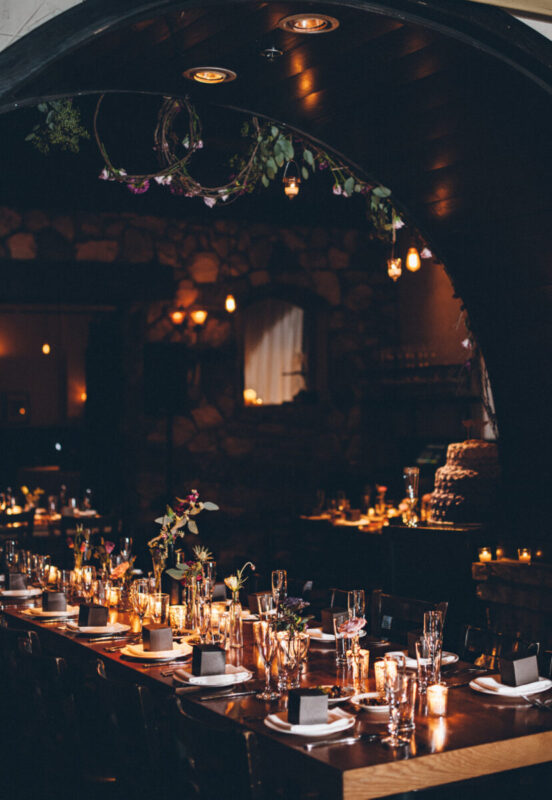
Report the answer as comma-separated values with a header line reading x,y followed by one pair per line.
x,y
481,735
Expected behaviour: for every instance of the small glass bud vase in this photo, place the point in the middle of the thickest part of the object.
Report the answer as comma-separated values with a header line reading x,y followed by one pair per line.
x,y
235,622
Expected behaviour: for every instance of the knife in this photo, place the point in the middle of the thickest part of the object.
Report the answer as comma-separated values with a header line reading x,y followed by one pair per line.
x,y
371,737
223,696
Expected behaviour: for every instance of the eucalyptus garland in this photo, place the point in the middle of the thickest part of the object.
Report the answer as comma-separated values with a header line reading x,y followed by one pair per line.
x,y
61,127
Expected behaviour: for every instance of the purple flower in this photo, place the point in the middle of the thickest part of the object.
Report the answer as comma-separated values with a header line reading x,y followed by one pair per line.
x,y
295,604
139,188
109,547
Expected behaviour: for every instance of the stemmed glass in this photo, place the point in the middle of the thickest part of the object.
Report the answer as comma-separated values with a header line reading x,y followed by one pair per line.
x,y
279,586
42,569
411,484
356,603
140,598
394,680
267,645
125,547
267,607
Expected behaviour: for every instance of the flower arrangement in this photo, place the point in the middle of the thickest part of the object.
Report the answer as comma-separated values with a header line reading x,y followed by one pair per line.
x,y
79,543
352,627
290,618
102,552
176,519
236,582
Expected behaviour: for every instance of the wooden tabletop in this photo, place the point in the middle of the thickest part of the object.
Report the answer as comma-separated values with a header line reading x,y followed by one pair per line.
x,y
481,734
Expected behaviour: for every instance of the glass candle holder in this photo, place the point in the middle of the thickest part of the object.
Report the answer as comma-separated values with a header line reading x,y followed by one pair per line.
x,y
177,616
500,552
437,700
485,554
379,674
524,555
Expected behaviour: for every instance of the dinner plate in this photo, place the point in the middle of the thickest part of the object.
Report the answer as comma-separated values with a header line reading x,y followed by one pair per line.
x,y
358,698
38,612
338,720
21,593
99,630
346,693
137,651
497,689
231,676
316,633
411,663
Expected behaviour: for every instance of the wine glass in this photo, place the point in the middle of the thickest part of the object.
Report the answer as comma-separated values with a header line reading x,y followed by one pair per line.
x,y
411,477
140,598
279,586
125,547
356,603
267,645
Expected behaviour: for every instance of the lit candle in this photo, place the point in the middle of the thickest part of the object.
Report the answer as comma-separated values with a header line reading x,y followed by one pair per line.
x,y
437,696
524,555
499,552
485,554
379,672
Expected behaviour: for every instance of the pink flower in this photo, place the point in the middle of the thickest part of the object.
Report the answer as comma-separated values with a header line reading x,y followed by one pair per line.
x,y
426,253
109,547
138,188
105,175
337,189
209,201
120,570
352,627
83,547
398,224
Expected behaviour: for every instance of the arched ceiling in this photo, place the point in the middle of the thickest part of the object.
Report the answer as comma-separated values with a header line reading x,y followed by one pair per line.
x,y
446,103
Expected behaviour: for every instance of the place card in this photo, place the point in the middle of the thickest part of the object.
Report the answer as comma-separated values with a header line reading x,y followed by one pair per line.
x,y
307,707
92,616
328,615
208,659
157,636
519,671
54,601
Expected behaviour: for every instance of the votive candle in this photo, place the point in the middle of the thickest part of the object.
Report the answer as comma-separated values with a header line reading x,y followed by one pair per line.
x,y
485,554
379,673
437,696
524,555
499,552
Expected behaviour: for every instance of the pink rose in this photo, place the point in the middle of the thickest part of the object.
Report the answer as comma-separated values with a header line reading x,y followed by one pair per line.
x,y
120,570
352,627
109,547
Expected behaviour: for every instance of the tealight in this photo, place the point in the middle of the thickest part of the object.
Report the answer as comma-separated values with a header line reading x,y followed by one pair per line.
x,y
485,554
379,672
437,697
524,555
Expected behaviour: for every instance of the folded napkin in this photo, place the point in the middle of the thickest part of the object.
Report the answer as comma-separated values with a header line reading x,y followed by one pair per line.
x,y
492,683
231,675
337,720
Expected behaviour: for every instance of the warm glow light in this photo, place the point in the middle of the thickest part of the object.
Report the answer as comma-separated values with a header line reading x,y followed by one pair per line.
x,y
198,317
230,304
46,349
413,262
210,75
291,186
22,411
249,397
83,397
394,268
178,316
309,23
524,555
485,554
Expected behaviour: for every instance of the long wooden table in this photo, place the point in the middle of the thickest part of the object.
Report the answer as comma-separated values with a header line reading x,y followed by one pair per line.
x,y
481,734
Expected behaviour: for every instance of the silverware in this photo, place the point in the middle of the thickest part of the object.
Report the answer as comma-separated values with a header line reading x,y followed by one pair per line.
x,y
178,663
536,703
224,696
369,737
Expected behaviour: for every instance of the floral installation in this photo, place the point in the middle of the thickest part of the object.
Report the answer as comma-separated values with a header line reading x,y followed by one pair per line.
x,y
202,554
236,582
176,519
102,552
191,571
80,541
123,570
289,615
352,627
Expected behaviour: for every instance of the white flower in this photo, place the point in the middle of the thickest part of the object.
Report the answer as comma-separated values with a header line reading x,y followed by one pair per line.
x,y
398,224
426,253
163,180
209,201
466,344
105,175
200,144
337,189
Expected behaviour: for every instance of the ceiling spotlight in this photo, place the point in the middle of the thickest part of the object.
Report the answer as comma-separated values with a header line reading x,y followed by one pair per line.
x,y
309,23
210,75
271,53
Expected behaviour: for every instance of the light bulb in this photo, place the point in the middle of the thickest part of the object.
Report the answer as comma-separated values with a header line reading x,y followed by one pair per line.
x,y
413,262
230,304
46,349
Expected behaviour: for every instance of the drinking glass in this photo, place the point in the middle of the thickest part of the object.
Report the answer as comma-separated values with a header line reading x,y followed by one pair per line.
x,y
87,581
267,607
203,620
125,547
101,590
433,630
395,676
267,645
210,571
140,598
159,607
64,580
340,643
290,650
42,569
177,617
279,586
224,630
424,662
407,702
411,484
356,603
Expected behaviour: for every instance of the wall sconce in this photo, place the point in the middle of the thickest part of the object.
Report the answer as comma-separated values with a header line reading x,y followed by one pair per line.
x,y
230,304
413,262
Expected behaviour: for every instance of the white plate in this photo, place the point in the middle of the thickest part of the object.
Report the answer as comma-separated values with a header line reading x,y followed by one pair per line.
x,y
21,593
446,659
502,690
115,627
316,633
137,651
370,709
338,721
71,611
347,693
231,676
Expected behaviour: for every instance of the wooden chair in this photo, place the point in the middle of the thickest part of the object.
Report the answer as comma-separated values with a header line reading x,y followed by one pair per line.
x,y
393,617
208,755
484,646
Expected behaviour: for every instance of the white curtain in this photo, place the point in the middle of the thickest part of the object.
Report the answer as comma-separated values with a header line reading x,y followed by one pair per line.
x,y
274,359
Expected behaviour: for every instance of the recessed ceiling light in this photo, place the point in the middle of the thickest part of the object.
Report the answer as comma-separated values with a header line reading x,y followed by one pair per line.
x,y
309,23
210,75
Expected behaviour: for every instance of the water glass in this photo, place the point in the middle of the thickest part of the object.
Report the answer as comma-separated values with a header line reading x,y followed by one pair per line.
x,y
395,691
279,586
407,702
340,644
224,630
267,645
159,607
267,607
356,603
433,624
290,658
424,662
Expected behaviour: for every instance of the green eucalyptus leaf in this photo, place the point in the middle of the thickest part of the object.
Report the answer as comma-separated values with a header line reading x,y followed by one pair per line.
x,y
307,155
43,107
270,173
192,527
305,173
177,574
381,191
274,131
271,164
265,181
349,185
280,159
209,506
357,187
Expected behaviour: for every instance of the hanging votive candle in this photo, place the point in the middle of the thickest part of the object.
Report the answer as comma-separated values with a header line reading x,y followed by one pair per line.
x,y
394,268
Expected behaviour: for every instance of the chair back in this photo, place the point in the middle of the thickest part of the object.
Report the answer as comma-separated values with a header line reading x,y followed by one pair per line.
x,y
393,616
210,753
484,646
